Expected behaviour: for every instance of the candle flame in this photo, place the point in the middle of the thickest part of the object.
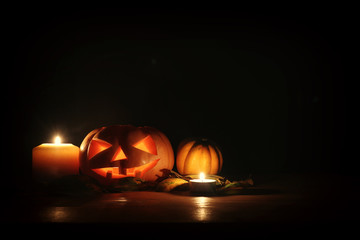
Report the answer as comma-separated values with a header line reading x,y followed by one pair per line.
x,y
202,176
57,140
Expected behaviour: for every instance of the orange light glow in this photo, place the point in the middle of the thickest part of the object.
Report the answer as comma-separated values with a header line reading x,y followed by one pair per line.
x,y
130,172
119,155
97,146
147,145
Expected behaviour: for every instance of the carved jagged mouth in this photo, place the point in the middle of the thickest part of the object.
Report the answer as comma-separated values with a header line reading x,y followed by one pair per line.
x,y
113,172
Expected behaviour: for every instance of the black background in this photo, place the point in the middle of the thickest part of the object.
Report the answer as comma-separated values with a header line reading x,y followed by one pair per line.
x,y
269,86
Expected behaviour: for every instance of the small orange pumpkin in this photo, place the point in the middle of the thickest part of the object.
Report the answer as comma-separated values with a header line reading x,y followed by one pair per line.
x,y
198,155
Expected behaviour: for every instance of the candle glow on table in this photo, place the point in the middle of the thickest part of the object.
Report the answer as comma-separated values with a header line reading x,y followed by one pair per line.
x,y
202,186
54,160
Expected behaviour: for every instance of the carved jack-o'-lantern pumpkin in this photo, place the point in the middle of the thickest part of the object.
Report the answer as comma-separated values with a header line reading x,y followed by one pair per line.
x,y
114,152
198,155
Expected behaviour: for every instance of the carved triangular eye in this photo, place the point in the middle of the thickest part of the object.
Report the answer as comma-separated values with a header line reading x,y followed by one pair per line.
x,y
147,145
97,146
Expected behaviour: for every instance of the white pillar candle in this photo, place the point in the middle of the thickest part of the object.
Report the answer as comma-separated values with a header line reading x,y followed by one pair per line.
x,y
54,160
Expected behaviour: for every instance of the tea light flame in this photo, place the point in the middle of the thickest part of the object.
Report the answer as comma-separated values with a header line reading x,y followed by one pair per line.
x,y
57,140
202,176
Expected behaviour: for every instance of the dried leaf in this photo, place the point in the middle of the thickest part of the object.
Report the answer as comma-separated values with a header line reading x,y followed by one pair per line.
x,y
170,184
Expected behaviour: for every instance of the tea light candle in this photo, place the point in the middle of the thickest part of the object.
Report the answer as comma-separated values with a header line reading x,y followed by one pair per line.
x,y
203,186
54,160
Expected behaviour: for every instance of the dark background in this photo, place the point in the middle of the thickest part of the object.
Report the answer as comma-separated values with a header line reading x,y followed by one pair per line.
x,y
269,86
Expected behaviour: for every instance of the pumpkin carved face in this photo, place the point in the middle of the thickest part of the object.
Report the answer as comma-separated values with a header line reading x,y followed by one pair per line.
x,y
114,152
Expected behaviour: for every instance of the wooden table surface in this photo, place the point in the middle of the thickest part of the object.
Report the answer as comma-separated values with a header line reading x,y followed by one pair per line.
x,y
287,204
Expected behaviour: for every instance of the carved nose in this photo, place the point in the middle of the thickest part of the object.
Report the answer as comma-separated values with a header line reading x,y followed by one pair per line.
x,y
119,155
